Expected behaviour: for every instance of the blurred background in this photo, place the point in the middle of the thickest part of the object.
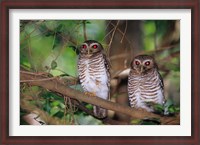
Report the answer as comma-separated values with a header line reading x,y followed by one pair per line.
x,y
51,46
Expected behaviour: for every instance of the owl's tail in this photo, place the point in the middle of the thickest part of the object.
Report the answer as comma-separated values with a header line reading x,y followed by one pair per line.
x,y
100,112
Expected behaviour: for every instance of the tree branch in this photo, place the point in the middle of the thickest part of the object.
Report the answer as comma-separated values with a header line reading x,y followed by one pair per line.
x,y
56,86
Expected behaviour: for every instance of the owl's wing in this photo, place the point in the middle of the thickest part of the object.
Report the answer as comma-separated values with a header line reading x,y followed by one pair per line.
x,y
160,77
161,81
107,66
162,86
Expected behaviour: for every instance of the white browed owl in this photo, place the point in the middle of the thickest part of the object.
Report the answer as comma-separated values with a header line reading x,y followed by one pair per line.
x,y
145,83
93,71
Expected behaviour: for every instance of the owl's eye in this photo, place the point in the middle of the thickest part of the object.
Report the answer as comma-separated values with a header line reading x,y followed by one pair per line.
x,y
147,63
137,62
94,46
84,46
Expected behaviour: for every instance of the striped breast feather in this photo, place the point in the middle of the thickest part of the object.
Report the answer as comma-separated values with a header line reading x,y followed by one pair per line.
x,y
93,68
153,88
133,89
146,88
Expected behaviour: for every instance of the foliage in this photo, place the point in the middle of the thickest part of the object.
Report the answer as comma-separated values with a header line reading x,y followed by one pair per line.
x,y
51,46
168,109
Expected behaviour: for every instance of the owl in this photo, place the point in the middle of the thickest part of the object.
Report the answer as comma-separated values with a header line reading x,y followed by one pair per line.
x,y
93,71
145,83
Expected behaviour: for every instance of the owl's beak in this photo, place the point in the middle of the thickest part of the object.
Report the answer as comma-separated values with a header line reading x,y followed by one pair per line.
x,y
141,69
88,51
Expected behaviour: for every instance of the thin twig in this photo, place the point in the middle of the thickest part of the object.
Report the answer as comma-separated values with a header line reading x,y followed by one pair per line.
x,y
159,50
84,30
129,42
123,55
54,38
111,40
108,24
124,32
108,34
46,79
33,73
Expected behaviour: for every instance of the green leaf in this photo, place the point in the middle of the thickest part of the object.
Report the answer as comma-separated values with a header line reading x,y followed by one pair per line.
x,y
63,75
53,64
88,22
49,33
58,29
87,120
89,106
55,103
159,108
135,121
43,28
54,110
171,109
76,50
47,106
177,109
62,105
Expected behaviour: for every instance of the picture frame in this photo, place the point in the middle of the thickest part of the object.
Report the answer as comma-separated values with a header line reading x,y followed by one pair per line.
x,y
89,4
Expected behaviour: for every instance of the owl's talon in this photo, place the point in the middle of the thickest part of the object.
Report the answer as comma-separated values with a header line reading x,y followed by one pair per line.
x,y
91,94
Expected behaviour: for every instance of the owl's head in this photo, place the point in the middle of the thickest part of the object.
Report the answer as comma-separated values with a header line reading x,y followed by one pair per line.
x,y
143,63
90,47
